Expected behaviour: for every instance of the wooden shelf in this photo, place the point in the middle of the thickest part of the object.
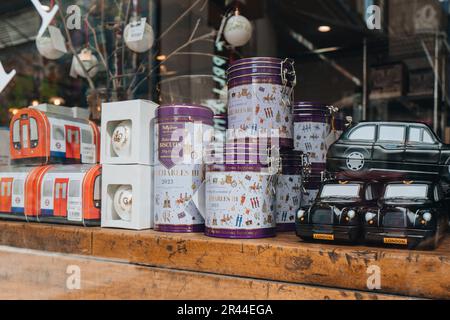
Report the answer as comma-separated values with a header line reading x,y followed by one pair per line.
x,y
281,261
43,275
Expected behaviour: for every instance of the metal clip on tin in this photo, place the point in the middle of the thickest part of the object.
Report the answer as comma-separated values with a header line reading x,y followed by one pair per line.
x,y
306,165
285,73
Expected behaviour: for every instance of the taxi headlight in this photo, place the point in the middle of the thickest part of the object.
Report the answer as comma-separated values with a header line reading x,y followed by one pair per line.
x,y
427,216
300,213
351,214
370,216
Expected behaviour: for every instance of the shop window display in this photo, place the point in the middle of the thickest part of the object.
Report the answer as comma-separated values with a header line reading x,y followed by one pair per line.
x,y
314,125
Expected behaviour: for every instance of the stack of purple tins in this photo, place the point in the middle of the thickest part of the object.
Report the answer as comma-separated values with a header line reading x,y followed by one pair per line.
x,y
259,97
316,127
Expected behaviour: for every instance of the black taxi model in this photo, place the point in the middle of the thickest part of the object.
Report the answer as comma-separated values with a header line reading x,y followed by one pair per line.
x,y
412,214
338,212
392,150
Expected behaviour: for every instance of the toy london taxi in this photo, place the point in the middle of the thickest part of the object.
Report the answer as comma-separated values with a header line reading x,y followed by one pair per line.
x,y
412,214
390,150
338,212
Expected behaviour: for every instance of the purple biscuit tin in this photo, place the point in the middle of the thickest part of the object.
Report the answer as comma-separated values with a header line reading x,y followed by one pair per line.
x,y
240,198
315,128
259,95
182,134
289,189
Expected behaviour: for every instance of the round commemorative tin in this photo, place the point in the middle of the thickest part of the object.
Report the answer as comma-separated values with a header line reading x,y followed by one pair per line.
x,y
289,189
240,197
182,133
259,97
316,127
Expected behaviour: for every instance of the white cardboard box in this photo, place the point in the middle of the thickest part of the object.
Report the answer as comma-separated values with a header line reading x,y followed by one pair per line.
x,y
129,125
138,179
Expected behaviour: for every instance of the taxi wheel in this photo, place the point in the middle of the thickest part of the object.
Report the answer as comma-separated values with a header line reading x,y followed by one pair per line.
x,y
356,160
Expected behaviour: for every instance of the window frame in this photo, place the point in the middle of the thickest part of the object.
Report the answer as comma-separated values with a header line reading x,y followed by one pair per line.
x,y
405,186
74,186
56,130
97,187
48,183
354,130
33,142
20,184
422,135
392,141
25,135
16,127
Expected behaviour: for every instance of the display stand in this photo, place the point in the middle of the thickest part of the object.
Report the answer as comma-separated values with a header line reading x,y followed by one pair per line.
x,y
150,264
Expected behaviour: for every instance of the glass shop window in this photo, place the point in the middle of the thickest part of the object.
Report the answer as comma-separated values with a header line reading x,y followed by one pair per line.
x,y
74,189
365,133
16,131
98,189
48,189
392,133
18,187
58,133
86,136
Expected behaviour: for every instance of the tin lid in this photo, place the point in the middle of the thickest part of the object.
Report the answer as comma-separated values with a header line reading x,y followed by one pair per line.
x,y
221,116
252,60
240,148
246,144
308,104
184,110
249,70
259,79
309,107
263,65
238,167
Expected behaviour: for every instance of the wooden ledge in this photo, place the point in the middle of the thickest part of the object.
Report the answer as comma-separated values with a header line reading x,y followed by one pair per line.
x,y
284,258
40,275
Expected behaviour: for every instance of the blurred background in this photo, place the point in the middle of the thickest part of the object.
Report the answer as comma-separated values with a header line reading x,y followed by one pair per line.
x,y
397,70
